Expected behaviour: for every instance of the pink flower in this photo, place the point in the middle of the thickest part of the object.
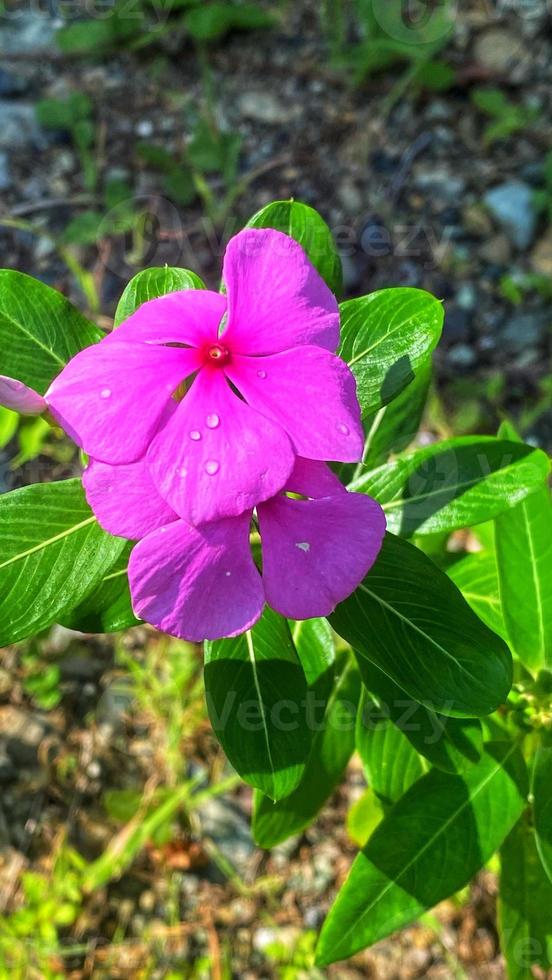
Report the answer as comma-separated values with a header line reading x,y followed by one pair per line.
x,y
202,583
20,398
265,389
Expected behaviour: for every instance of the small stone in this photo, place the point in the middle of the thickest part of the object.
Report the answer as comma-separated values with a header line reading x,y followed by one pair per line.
x,y
466,297
461,356
497,251
512,206
442,184
25,33
266,108
350,196
500,50
225,823
11,84
23,732
5,176
525,330
477,221
541,257
18,125
456,328
145,128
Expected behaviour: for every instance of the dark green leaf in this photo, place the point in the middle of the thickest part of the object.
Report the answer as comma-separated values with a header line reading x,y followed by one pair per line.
x,y
212,21
525,903
476,576
390,762
411,621
315,648
332,717
52,554
40,330
387,338
151,283
452,744
430,844
108,608
256,698
454,484
307,227
542,805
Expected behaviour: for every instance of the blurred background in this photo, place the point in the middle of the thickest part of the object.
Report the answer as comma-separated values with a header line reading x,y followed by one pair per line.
x,y
136,133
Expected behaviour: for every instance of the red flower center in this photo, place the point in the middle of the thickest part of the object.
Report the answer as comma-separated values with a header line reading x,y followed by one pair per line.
x,y
216,355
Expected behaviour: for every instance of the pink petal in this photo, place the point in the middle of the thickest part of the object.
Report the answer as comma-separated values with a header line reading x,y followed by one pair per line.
x,y
312,478
110,397
276,298
124,499
17,396
188,316
197,583
218,457
316,552
311,394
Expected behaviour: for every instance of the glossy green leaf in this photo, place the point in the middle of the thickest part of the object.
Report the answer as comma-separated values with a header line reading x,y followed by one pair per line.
x,y
542,805
430,844
524,906
108,608
454,484
476,576
332,719
52,554
452,744
410,620
256,698
40,330
314,643
8,425
307,227
387,337
363,817
390,763
151,283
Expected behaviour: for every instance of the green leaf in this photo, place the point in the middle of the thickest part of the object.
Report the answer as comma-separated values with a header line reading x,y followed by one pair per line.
x,y
390,762
452,744
214,20
108,608
387,338
542,805
476,576
431,843
525,901
523,540
333,719
63,113
411,621
315,648
40,330
307,227
363,817
151,283
8,425
256,698
454,484
52,554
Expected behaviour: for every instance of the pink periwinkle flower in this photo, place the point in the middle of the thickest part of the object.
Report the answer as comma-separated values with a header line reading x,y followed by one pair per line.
x,y
20,398
202,583
217,394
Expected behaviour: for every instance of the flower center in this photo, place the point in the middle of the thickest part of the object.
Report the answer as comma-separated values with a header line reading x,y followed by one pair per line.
x,y
217,355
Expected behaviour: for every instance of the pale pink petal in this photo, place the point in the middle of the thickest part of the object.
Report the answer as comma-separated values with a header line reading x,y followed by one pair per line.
x,y
312,478
311,394
20,398
197,583
188,316
110,397
276,298
218,457
125,499
316,552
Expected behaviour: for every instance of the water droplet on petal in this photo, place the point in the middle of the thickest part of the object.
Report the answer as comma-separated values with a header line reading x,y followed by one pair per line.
x,y
303,545
105,393
344,429
261,374
213,421
183,472
228,574
195,435
212,467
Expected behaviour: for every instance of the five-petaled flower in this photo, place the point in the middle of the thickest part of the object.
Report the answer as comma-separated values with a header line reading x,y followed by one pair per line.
x,y
202,582
218,393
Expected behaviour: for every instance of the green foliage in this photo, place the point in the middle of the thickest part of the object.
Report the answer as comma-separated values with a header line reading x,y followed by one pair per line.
x,y
508,117
151,283
74,115
525,901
